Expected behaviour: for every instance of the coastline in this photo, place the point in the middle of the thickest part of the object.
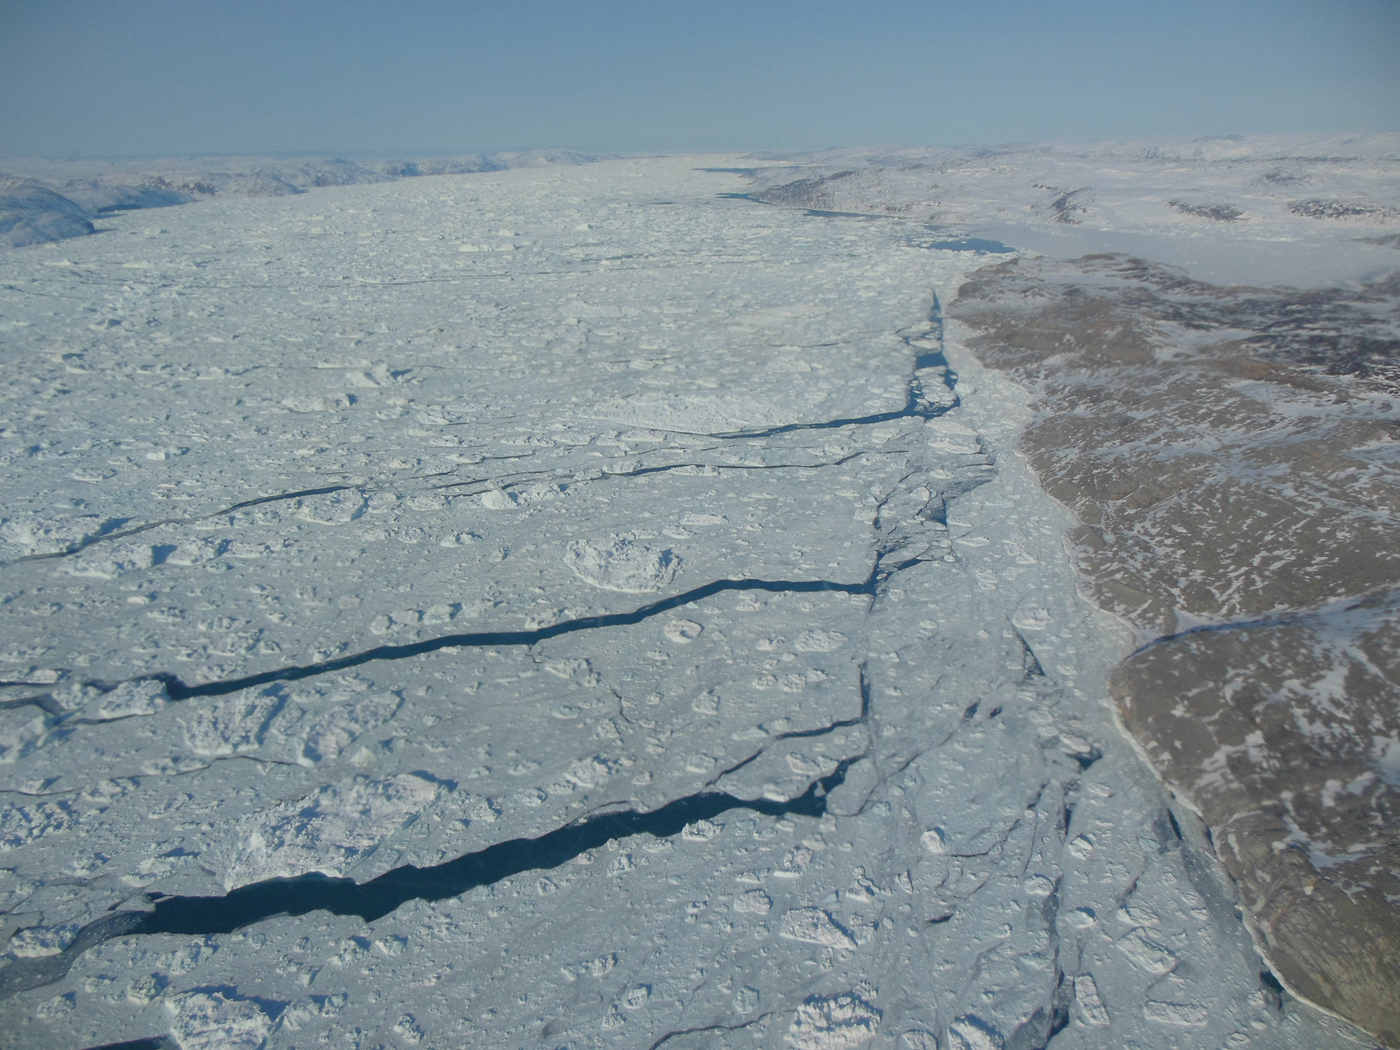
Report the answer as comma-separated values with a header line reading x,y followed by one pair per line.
x,y
1167,536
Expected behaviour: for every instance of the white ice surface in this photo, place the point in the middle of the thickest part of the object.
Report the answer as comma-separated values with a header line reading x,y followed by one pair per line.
x,y
1304,210
509,440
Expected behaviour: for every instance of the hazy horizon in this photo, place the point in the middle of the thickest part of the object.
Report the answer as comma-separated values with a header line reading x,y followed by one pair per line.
x,y
83,80
428,152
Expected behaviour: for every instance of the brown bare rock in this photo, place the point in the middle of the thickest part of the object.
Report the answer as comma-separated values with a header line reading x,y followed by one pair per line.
x,y
1233,457
1214,212
1286,735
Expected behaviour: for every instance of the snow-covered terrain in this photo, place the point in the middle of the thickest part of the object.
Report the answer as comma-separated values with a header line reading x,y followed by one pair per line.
x,y
49,200
563,607
31,213
1296,210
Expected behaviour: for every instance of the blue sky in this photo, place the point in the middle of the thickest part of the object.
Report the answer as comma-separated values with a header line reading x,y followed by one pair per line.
x,y
92,78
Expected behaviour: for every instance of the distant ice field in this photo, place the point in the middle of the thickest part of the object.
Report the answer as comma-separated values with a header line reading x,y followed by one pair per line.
x,y
560,607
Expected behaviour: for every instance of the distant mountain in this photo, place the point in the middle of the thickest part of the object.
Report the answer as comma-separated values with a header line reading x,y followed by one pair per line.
x,y
1254,182
46,200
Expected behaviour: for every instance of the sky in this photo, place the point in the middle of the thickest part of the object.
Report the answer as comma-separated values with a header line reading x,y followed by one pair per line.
x,y
362,78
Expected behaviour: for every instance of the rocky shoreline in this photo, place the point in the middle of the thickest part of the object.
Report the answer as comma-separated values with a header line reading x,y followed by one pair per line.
x,y
1231,455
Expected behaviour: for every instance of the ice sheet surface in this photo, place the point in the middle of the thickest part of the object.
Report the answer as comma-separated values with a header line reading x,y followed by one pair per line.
x,y
610,611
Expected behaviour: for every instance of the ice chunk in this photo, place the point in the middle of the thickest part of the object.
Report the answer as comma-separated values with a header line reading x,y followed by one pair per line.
x,y
329,831
755,902
1086,992
343,723
970,1032
231,725
833,1022
217,1020
107,562
22,824
1185,1015
683,630
619,564
1152,956
37,941
814,926
144,696
29,535
819,641
22,731
333,508
317,403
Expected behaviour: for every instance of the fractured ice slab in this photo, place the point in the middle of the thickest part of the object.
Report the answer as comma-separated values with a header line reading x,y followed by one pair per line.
x,y
583,644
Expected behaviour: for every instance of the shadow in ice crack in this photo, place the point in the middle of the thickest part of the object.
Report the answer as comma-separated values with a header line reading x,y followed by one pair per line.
x,y
179,690
112,530
929,360
201,916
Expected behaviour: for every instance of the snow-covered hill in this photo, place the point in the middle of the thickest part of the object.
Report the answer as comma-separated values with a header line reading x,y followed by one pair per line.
x,y
1244,209
31,213
62,198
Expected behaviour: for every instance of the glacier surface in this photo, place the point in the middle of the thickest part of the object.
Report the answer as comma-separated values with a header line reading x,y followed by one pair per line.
x,y
562,607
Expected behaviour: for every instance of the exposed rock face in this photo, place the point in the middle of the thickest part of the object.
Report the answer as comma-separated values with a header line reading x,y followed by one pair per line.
x,y
1232,454
1221,466
1287,735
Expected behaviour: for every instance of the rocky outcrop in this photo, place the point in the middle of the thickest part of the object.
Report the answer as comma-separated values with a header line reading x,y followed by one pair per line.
x,y
1233,457
1287,737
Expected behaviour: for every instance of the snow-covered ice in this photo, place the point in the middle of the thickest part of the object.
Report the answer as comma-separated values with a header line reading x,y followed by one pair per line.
x,y
644,636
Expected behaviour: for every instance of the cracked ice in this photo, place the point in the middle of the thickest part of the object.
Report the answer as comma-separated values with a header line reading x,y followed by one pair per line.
x,y
647,636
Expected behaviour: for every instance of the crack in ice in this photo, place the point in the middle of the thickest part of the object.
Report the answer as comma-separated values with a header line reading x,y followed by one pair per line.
x,y
708,1028
179,690
105,534
371,900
